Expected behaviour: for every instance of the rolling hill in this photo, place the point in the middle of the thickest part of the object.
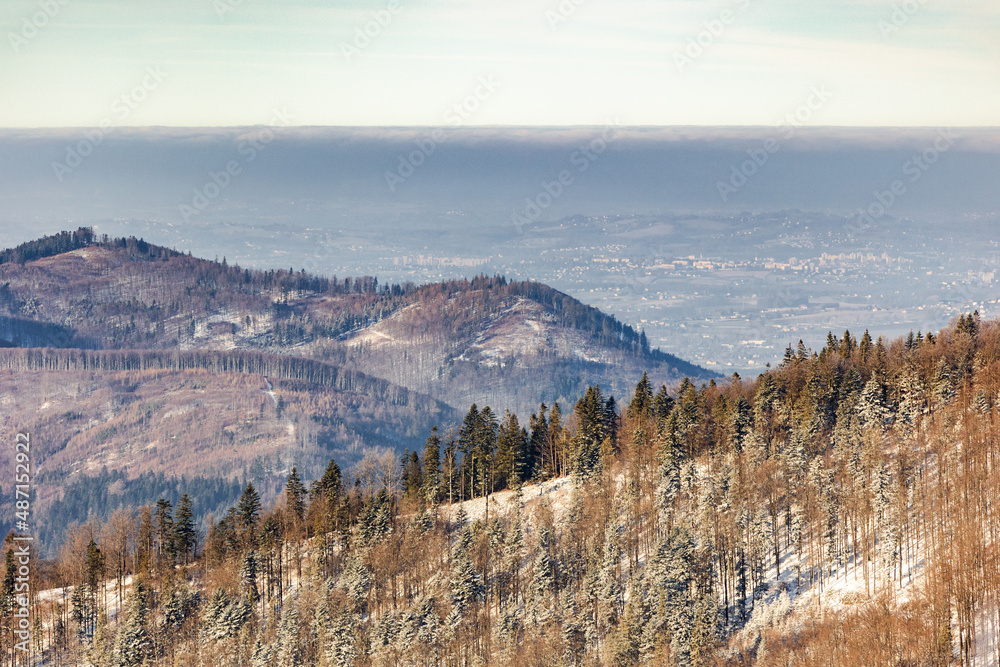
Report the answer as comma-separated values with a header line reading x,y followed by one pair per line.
x,y
484,340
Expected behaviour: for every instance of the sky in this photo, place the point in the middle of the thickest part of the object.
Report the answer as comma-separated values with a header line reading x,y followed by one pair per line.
x,y
77,63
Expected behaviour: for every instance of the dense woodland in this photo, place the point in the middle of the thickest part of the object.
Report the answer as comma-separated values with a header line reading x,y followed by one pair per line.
x,y
840,508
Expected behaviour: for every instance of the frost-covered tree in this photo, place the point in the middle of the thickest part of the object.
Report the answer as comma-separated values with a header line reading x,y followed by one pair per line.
x,y
942,384
871,405
543,581
134,643
466,582
289,647
225,615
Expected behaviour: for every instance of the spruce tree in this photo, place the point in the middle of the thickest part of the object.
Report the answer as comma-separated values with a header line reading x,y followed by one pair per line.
x,y
467,447
432,469
290,649
342,648
512,452
295,493
943,386
165,531
466,582
643,405
134,643
591,432
871,405
540,451
185,537
331,483
543,582
248,514
740,424
663,404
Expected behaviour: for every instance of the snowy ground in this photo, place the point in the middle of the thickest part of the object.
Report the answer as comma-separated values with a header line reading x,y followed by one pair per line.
x,y
556,491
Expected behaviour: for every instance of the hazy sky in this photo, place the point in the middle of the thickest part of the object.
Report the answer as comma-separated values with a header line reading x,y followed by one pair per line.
x,y
540,62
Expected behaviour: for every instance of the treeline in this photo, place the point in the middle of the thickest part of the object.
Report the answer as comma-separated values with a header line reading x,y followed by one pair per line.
x,y
47,246
216,361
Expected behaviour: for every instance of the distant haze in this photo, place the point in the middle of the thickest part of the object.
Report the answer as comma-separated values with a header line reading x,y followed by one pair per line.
x,y
318,177
598,212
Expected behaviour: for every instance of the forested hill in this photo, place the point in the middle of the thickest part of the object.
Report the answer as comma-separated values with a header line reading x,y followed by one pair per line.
x,y
484,339
839,509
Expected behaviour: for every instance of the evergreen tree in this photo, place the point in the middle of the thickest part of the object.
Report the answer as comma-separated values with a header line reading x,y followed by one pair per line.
x,y
342,648
295,493
263,654
185,537
331,483
374,519
290,649
248,514
512,460
663,404
911,401
432,469
865,347
249,569
165,531
591,433
466,582
540,451
981,402
411,477
871,405
740,424
225,615
467,447
642,405
944,387
134,644
543,582
487,430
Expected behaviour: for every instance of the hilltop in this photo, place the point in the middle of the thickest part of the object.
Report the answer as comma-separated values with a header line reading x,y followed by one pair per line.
x,y
482,340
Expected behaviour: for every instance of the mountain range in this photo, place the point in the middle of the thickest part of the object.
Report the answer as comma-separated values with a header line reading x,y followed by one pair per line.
x,y
143,370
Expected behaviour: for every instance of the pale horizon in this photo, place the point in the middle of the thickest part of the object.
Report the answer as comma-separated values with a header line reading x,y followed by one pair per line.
x,y
677,63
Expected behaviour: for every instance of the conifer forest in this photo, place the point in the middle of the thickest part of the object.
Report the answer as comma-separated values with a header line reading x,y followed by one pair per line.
x,y
840,508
